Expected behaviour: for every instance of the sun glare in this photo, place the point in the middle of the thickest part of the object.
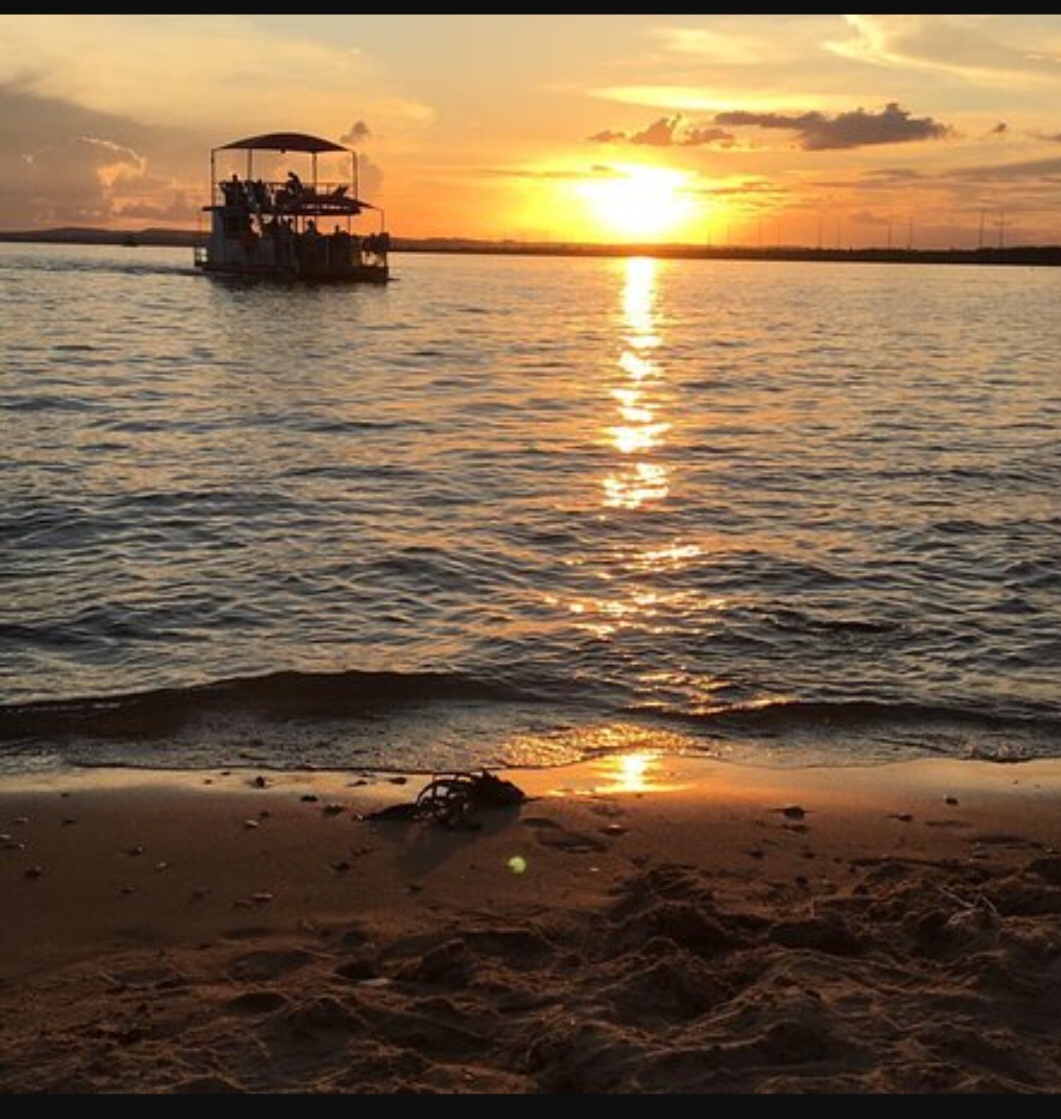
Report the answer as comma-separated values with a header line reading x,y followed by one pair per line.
x,y
640,203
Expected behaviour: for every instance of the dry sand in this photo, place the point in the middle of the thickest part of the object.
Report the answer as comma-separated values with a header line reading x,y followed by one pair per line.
x,y
697,928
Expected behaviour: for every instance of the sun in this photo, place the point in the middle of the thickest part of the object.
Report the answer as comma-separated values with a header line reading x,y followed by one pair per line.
x,y
640,203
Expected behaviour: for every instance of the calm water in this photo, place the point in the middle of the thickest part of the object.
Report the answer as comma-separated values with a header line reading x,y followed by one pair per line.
x,y
522,512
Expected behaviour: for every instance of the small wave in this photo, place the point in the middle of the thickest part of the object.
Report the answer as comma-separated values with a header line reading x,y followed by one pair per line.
x,y
863,716
857,714
276,697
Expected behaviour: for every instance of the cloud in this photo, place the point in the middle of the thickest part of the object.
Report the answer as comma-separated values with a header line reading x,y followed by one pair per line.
x,y
669,132
720,47
558,174
66,165
370,178
357,134
1032,172
74,182
858,129
982,49
815,131
181,210
192,71
112,118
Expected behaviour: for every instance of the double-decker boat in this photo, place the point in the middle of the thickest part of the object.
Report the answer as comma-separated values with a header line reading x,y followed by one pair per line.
x,y
285,221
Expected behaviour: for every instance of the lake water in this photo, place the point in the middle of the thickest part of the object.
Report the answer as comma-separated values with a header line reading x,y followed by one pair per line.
x,y
510,512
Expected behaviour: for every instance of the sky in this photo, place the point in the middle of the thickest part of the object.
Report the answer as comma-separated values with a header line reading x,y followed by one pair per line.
x,y
835,131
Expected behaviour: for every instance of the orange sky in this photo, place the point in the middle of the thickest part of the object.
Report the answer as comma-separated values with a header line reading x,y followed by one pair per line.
x,y
932,131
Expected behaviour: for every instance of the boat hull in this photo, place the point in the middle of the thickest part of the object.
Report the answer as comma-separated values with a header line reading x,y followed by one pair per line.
x,y
362,274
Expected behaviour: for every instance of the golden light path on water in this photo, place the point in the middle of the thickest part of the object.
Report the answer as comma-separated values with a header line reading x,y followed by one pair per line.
x,y
640,430
636,597
641,482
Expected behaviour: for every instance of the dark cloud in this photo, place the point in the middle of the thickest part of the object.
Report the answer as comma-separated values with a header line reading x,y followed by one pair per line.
x,y
748,189
609,137
557,175
1029,172
64,165
181,211
858,129
669,132
895,176
371,178
814,131
359,132
69,183
31,121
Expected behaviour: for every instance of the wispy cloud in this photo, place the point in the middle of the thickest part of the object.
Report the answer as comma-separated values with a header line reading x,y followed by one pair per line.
x,y
177,70
723,47
988,48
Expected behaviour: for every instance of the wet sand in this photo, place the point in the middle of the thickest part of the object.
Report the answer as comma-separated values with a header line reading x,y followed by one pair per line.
x,y
693,928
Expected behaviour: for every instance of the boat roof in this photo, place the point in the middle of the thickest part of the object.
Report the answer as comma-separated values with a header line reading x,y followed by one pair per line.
x,y
284,142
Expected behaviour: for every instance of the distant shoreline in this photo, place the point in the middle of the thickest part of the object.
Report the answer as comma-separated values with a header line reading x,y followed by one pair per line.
x,y
1036,256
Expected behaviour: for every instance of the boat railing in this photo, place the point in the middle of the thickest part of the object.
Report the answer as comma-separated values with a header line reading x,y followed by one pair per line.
x,y
289,196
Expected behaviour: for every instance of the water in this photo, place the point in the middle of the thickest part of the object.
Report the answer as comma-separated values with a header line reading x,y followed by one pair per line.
x,y
512,512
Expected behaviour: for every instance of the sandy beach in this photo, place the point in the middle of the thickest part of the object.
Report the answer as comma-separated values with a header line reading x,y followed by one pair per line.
x,y
672,928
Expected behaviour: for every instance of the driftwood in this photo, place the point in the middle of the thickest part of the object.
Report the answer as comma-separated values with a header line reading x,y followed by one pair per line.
x,y
452,799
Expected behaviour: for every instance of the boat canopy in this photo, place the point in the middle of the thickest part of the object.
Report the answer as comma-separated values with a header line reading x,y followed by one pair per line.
x,y
284,142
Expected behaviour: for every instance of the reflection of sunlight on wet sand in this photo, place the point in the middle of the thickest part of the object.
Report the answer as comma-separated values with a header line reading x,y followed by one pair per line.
x,y
633,760
634,772
608,759
637,774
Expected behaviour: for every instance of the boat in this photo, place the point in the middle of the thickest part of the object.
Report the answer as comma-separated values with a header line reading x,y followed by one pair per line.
x,y
295,227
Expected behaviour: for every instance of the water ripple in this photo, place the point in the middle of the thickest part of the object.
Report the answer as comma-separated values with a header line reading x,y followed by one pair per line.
x,y
596,494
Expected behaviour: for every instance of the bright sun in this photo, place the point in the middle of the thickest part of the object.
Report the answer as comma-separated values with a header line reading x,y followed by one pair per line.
x,y
640,203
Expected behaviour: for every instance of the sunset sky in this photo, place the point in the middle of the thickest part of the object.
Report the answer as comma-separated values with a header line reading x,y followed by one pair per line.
x,y
816,130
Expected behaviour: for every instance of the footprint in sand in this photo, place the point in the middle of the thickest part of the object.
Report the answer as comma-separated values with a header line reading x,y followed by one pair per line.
x,y
256,1004
265,965
550,834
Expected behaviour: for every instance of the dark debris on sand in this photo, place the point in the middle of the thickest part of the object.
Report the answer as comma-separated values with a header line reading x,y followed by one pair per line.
x,y
453,799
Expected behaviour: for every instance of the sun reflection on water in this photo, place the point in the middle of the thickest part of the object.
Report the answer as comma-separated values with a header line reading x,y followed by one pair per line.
x,y
640,431
634,588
